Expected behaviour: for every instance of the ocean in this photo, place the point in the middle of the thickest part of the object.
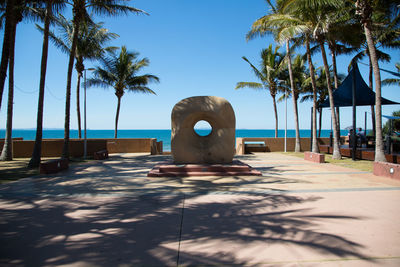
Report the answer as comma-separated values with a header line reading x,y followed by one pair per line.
x,y
161,135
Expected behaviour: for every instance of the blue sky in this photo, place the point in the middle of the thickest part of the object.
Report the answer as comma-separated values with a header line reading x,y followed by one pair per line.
x,y
194,47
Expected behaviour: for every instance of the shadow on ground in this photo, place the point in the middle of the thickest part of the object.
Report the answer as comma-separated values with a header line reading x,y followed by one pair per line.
x,y
145,229
126,174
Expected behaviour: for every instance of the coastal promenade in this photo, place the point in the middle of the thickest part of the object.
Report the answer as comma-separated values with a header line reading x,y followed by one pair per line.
x,y
109,213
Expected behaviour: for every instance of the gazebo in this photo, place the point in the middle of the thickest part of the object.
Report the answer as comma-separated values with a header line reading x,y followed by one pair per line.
x,y
354,92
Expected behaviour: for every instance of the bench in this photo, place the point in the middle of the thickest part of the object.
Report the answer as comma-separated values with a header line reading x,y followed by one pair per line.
x,y
53,166
102,154
254,147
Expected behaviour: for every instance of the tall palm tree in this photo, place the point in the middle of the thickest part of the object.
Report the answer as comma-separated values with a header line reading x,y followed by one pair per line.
x,y
385,33
301,32
270,75
299,75
51,7
5,54
282,33
318,15
314,147
79,10
297,147
365,10
90,45
15,16
121,72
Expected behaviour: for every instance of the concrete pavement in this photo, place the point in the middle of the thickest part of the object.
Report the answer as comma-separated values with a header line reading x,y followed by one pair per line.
x,y
108,213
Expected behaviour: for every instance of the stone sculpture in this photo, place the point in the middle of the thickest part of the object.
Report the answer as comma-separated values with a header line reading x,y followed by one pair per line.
x,y
189,147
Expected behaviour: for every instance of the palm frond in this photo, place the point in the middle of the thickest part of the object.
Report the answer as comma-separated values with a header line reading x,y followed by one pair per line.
x,y
110,8
141,89
120,71
58,42
252,85
255,70
391,81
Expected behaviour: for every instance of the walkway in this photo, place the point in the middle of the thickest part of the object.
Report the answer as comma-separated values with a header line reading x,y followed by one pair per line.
x,y
108,213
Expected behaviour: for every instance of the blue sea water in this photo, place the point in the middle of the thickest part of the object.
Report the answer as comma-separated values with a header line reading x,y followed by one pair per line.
x,y
161,135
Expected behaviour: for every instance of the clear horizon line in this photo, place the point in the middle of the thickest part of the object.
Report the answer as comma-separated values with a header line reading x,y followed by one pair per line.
x,y
154,129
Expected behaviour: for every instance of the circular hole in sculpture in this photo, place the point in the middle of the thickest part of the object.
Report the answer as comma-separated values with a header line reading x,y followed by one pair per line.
x,y
202,128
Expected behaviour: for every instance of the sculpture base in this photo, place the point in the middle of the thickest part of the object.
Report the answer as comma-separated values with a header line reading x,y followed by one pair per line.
x,y
236,168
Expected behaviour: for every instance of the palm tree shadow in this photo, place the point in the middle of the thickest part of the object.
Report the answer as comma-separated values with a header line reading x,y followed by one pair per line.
x,y
212,229
144,228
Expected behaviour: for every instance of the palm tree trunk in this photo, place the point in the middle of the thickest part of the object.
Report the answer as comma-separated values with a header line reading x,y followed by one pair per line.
x,y
336,147
117,117
297,147
37,149
5,54
276,115
7,152
379,153
314,147
336,83
78,109
77,11
372,88
296,121
320,122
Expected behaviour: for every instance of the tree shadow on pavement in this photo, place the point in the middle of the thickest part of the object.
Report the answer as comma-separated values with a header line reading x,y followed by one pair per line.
x,y
145,230
200,223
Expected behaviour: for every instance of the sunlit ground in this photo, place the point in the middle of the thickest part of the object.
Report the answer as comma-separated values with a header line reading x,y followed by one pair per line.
x,y
363,165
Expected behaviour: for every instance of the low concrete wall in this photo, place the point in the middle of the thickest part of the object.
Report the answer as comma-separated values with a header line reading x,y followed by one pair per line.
x,y
314,157
132,145
277,144
387,169
53,147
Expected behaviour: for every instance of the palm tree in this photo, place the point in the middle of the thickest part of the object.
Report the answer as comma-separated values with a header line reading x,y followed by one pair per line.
x,y
292,25
318,15
393,81
385,34
365,9
314,147
100,7
121,72
282,33
269,74
51,7
298,77
5,54
91,39
14,17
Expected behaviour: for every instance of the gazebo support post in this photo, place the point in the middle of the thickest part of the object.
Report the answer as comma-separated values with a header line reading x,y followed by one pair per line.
x,y
354,148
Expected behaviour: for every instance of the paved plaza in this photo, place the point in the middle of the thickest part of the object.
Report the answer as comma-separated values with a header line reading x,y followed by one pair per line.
x,y
109,213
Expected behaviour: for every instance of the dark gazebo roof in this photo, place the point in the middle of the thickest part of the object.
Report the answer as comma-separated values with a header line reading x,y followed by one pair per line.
x,y
342,96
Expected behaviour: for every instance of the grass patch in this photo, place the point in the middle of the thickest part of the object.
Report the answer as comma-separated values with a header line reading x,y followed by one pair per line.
x,y
362,165
18,168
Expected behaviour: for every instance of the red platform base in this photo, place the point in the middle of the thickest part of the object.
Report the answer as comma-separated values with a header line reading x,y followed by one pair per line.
x,y
236,168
